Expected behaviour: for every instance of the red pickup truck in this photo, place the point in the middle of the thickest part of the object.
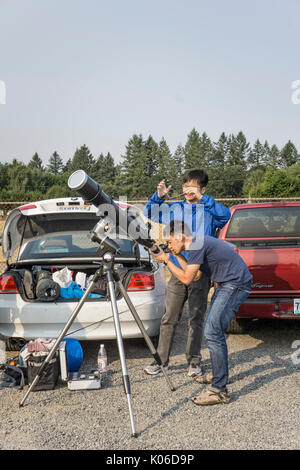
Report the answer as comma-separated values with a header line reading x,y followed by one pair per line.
x,y
267,237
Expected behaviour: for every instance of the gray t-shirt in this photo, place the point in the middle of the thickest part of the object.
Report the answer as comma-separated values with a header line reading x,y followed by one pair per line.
x,y
220,262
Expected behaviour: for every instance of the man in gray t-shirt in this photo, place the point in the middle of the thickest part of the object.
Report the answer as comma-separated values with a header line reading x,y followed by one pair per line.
x,y
220,262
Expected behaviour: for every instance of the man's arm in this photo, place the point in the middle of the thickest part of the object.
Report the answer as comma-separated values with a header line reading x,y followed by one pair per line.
x,y
188,273
220,213
152,209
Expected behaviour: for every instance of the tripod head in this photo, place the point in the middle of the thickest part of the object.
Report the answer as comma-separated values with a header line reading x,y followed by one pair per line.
x,y
100,235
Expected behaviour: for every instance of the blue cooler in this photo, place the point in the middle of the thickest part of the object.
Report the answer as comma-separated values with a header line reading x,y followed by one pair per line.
x,y
74,354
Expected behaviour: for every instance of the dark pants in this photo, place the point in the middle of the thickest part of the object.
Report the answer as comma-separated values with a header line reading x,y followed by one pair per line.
x,y
224,304
177,293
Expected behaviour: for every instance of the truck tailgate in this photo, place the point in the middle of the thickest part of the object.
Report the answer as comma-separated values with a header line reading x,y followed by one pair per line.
x,y
275,269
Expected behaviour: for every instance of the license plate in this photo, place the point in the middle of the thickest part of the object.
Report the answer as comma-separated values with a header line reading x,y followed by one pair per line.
x,y
296,306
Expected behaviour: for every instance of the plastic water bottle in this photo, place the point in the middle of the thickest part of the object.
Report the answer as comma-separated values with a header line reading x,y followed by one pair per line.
x,y
102,360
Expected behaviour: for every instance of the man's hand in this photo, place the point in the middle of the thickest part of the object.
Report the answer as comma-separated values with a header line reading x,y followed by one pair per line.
x,y
193,192
160,256
162,189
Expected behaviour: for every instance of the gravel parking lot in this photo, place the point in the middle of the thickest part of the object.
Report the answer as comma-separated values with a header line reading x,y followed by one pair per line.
x,y
263,412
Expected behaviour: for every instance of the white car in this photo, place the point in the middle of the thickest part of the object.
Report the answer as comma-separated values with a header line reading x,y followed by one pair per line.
x,y
51,235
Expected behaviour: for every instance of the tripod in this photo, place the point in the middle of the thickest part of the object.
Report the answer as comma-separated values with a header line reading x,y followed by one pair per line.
x,y
107,268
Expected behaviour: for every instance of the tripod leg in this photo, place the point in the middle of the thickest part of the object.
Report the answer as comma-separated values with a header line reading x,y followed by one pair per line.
x,y
144,333
126,382
57,342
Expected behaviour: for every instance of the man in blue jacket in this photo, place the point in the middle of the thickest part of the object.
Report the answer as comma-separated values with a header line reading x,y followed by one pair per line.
x,y
205,215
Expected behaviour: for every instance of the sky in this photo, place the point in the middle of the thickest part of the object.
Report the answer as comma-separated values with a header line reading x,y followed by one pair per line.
x,y
95,72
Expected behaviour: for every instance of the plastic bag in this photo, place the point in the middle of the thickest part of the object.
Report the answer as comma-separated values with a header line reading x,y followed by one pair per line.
x,y
63,277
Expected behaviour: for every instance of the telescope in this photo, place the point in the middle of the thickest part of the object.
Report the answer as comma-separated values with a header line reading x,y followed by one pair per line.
x,y
92,193
109,221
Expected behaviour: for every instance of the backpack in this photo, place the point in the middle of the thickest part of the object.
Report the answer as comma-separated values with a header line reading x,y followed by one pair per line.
x,y
13,376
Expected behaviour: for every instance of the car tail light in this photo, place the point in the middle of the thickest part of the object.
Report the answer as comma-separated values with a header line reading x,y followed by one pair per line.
x,y
26,208
141,281
7,284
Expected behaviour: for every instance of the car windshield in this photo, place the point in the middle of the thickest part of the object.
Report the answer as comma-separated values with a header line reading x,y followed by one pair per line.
x,y
265,222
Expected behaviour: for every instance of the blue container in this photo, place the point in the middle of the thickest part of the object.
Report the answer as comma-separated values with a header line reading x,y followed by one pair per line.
x,y
74,354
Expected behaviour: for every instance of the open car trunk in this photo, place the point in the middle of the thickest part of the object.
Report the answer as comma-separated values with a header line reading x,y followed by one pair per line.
x,y
49,242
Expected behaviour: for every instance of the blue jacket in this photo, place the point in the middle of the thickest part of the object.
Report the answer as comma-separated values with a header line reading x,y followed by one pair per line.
x,y
215,214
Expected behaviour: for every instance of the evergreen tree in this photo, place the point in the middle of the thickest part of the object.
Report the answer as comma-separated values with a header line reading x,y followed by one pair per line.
x,y
206,151
104,171
67,167
192,150
151,166
176,169
132,168
36,162
198,150
164,162
55,164
238,150
273,159
288,155
256,155
3,175
18,176
82,160
266,153
219,153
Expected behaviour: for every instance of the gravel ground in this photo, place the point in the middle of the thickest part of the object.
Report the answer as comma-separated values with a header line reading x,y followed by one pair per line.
x,y
263,412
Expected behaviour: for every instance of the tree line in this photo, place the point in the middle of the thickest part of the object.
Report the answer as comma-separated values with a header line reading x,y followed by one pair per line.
x,y
234,166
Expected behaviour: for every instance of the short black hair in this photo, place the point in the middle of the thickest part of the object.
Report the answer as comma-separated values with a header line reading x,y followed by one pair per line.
x,y
176,227
199,175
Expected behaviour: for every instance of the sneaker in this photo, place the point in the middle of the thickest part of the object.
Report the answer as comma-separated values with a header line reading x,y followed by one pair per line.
x,y
154,369
212,396
194,370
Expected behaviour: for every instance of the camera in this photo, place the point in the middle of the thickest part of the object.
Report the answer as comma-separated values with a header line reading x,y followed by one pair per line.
x,y
164,247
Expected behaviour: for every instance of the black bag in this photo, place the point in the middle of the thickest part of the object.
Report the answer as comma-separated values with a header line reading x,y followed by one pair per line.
x,y
49,377
13,376
100,286
28,283
46,289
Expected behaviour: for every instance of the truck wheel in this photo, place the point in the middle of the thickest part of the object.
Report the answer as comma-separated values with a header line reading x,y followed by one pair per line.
x,y
238,326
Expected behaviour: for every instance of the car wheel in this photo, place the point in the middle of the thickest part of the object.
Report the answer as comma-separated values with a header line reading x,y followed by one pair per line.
x,y
238,326
15,344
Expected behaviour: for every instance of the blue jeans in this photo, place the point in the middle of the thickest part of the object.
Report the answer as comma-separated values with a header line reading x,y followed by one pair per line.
x,y
225,302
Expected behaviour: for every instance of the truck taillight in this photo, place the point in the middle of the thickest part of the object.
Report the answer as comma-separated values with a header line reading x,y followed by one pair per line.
x,y
7,284
141,281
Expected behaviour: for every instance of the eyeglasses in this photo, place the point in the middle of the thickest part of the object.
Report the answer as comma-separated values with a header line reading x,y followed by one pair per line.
x,y
186,186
